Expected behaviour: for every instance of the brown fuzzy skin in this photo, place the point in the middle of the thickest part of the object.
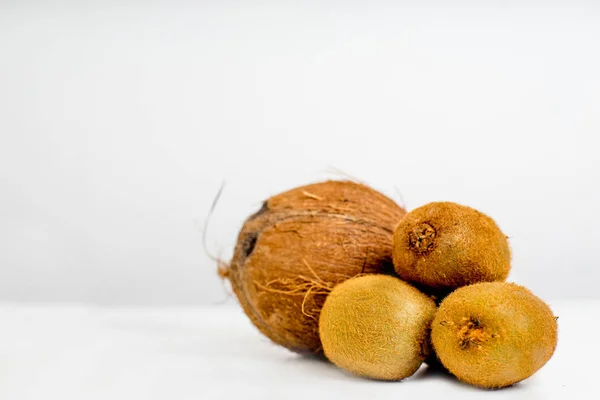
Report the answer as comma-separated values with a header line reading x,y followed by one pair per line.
x,y
445,245
302,243
493,335
376,326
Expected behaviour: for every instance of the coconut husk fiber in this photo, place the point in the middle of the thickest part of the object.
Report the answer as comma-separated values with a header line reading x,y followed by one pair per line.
x,y
302,243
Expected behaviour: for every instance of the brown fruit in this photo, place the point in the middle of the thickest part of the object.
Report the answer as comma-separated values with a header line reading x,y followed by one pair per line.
x,y
446,245
376,326
299,245
493,334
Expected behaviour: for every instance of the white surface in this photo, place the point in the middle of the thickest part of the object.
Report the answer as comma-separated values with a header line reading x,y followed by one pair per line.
x,y
120,119
214,353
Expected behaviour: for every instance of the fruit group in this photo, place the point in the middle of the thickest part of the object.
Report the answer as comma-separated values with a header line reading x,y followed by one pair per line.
x,y
445,245
376,326
299,245
493,334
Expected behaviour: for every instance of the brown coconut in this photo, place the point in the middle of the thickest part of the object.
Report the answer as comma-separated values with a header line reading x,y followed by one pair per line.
x,y
302,243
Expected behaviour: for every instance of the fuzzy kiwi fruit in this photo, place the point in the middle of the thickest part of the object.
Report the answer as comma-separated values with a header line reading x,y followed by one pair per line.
x,y
493,334
376,326
299,245
445,245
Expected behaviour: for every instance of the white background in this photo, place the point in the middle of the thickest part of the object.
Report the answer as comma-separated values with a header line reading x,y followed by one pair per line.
x,y
119,121
74,352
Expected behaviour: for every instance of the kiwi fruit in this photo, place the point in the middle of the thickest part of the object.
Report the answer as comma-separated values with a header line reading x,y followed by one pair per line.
x,y
445,245
494,334
376,326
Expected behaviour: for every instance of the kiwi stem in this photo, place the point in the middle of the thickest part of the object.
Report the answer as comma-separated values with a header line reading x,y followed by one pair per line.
x,y
471,333
421,238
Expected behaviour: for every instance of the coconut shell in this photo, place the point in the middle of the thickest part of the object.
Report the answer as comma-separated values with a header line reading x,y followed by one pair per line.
x,y
302,243
377,326
493,334
442,246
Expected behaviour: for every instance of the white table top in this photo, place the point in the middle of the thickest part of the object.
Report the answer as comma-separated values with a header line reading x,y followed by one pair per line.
x,y
84,352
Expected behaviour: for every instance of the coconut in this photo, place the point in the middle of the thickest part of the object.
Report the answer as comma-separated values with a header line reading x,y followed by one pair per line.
x,y
299,245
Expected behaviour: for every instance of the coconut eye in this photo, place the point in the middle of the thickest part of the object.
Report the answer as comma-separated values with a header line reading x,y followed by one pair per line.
x,y
248,243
